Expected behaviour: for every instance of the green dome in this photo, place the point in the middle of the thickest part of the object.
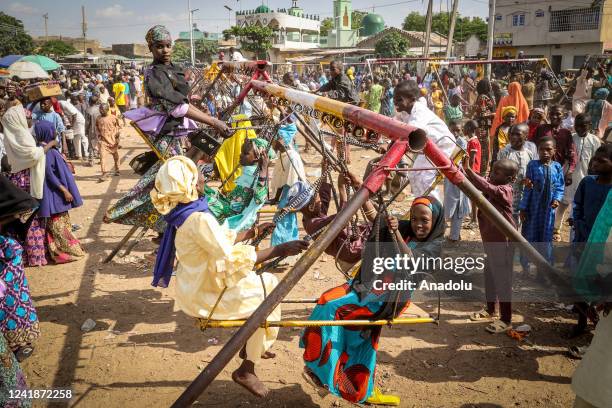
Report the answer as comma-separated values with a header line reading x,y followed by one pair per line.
x,y
262,9
372,24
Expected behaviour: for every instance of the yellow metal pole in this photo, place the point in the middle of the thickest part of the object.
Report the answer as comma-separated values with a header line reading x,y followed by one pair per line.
x,y
224,324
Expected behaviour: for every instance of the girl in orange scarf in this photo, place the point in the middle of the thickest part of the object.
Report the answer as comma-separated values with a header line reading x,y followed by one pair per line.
x,y
515,98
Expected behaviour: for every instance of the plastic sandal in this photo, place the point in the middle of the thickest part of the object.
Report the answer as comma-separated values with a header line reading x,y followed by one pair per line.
x,y
498,327
482,315
312,379
378,398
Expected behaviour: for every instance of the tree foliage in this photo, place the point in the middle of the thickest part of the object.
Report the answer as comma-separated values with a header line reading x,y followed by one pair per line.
x,y
253,38
356,17
205,50
440,23
56,48
14,38
180,53
392,45
326,26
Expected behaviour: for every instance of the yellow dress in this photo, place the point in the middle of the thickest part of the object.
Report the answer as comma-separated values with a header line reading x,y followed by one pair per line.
x,y
208,261
227,158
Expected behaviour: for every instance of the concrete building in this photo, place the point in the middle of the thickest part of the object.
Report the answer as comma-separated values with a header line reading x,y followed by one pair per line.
x,y
563,31
131,50
91,46
294,30
343,34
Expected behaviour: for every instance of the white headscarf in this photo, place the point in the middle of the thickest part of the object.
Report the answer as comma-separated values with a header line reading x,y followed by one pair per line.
x,y
21,149
175,183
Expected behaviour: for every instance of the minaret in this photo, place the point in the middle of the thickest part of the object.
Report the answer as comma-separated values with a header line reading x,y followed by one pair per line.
x,y
343,9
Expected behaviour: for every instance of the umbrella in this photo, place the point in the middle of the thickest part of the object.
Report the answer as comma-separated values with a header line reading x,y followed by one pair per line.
x,y
9,59
45,62
27,70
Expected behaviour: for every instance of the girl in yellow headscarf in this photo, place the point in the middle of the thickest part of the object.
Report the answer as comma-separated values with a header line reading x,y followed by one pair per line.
x,y
215,270
502,133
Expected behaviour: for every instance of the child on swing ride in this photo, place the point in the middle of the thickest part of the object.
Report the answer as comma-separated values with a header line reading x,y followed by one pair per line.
x,y
214,267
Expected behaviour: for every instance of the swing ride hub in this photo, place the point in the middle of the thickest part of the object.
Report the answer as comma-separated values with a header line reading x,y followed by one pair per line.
x,y
406,138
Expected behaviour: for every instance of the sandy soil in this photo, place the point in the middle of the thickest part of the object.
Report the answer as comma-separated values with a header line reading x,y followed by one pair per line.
x,y
143,351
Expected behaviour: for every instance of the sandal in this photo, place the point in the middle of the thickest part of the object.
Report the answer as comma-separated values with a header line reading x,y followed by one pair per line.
x,y
378,398
497,327
482,315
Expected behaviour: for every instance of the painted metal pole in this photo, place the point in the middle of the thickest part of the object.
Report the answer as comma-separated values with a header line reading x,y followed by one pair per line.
x,y
225,324
490,34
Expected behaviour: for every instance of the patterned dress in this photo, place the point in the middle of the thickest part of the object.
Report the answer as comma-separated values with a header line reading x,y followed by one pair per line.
x,y
167,89
11,379
482,111
34,243
18,318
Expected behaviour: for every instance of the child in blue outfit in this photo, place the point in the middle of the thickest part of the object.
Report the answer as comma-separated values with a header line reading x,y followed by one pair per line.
x,y
544,186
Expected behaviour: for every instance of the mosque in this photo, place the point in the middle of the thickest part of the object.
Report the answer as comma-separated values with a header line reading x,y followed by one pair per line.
x,y
295,29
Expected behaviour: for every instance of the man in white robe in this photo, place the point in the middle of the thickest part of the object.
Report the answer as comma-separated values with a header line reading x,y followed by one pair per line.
x,y
418,115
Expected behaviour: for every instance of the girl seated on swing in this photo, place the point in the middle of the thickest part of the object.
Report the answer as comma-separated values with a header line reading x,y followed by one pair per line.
x,y
343,359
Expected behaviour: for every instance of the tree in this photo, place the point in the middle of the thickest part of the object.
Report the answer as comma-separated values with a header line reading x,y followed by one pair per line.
x,y
205,50
356,17
440,23
56,48
253,38
392,45
326,26
414,22
180,53
14,38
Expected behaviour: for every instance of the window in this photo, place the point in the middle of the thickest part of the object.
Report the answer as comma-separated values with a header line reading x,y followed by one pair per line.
x,y
539,13
498,17
578,61
575,19
518,20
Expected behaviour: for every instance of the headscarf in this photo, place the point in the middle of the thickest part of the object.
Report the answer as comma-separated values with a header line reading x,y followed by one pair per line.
x,y
483,87
175,183
21,149
515,99
287,133
55,166
176,197
158,33
602,93
507,110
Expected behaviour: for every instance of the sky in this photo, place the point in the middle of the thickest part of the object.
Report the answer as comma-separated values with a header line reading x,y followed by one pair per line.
x,y
115,21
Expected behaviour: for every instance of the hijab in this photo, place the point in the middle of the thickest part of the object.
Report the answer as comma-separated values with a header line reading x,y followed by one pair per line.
x,y
21,149
515,99
13,200
431,246
176,197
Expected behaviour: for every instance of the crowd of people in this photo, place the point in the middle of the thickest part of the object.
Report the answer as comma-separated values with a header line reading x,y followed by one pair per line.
x,y
540,158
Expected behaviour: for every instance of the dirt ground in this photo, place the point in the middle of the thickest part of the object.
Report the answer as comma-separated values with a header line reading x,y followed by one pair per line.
x,y
143,351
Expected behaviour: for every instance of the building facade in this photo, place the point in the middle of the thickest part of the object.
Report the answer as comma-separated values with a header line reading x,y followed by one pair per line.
x,y
293,29
562,31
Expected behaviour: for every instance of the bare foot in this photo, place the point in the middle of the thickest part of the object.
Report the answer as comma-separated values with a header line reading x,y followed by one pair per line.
x,y
245,376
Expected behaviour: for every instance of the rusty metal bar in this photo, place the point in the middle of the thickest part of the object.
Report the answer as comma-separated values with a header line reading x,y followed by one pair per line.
x,y
225,324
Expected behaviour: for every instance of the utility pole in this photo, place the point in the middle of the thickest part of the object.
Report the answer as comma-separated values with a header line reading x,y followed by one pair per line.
x,y
451,30
84,34
46,17
428,28
192,57
490,35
